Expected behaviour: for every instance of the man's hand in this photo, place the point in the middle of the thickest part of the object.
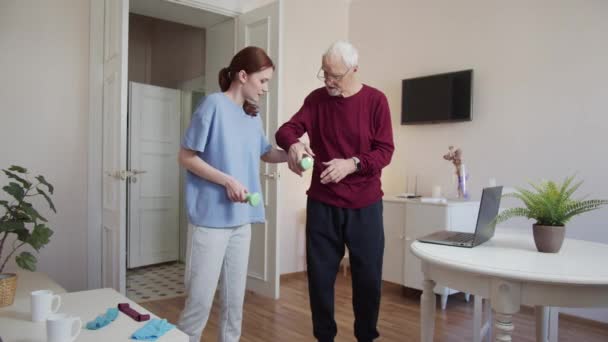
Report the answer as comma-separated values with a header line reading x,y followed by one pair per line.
x,y
296,151
337,169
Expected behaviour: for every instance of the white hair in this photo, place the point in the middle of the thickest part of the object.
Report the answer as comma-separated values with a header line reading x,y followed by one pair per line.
x,y
346,51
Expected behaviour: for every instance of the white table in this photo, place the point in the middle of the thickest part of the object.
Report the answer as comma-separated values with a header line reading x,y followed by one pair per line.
x,y
16,324
510,272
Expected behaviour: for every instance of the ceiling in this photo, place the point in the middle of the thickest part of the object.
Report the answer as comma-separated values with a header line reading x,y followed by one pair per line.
x,y
162,9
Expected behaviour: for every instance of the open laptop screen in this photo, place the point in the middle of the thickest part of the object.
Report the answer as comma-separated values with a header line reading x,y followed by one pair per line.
x,y
489,206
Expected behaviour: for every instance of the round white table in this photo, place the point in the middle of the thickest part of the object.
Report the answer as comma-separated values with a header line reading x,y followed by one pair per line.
x,y
510,272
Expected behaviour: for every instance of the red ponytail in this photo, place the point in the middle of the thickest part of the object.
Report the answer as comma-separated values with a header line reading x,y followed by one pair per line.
x,y
224,79
251,59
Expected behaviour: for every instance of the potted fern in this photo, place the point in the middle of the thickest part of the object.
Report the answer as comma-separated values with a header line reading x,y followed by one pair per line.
x,y
21,224
552,206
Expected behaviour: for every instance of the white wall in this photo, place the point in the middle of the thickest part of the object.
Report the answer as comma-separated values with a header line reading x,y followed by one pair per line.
x,y
43,117
306,33
540,92
44,96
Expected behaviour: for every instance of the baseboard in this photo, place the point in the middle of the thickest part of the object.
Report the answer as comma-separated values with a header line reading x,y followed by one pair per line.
x,y
287,276
583,320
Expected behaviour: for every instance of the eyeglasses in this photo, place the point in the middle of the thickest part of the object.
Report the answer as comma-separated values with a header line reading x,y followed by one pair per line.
x,y
323,75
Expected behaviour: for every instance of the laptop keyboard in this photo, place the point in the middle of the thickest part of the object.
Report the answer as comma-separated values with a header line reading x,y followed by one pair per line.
x,y
461,237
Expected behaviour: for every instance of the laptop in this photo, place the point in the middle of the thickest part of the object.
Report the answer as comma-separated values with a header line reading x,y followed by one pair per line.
x,y
484,230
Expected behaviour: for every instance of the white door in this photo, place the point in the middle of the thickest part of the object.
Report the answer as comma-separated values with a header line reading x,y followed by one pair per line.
x,y
153,234
260,27
114,157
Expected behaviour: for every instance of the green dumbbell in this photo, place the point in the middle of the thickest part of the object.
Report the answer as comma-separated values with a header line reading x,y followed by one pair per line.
x,y
254,199
306,162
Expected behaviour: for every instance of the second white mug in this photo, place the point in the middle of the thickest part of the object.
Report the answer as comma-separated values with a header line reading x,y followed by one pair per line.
x,y
44,303
62,328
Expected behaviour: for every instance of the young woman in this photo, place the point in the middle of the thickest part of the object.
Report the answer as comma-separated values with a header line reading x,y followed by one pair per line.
x,y
221,150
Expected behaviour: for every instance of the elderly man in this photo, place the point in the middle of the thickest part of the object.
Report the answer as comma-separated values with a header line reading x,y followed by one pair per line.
x,y
351,139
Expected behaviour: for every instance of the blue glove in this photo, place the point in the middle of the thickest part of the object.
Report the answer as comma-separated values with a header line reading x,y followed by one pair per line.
x,y
152,330
103,320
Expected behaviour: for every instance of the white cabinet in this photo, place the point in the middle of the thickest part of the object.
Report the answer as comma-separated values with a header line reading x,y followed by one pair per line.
x,y
394,237
405,220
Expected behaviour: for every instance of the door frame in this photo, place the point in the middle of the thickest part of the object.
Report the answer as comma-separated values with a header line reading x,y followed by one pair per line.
x,y
94,162
265,281
95,133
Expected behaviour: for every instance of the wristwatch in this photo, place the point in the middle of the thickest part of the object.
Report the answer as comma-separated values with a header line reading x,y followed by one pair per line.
x,y
357,163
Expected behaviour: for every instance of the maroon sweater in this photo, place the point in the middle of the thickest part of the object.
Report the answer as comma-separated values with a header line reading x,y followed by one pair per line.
x,y
339,127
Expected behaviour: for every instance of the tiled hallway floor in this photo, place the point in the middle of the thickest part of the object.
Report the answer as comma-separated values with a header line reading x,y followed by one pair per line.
x,y
155,282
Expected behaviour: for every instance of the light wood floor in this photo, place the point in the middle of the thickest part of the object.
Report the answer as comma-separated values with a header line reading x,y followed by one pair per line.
x,y
288,319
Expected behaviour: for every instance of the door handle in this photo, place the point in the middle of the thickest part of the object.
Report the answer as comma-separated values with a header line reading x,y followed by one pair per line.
x,y
271,175
137,172
122,174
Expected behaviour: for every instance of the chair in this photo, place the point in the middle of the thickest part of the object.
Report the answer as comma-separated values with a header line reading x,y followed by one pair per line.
x,y
482,326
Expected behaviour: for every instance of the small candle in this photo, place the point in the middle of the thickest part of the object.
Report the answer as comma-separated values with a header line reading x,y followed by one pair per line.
x,y
436,191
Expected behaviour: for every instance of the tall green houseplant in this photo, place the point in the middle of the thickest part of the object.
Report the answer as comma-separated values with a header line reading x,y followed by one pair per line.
x,y
552,206
18,217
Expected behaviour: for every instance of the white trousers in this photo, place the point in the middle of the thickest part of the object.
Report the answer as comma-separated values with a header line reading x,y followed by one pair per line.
x,y
215,255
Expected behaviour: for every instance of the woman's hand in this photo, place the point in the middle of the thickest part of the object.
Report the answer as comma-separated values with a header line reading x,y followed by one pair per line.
x,y
235,190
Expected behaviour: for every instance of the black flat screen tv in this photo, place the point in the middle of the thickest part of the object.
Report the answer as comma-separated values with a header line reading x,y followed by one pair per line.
x,y
437,98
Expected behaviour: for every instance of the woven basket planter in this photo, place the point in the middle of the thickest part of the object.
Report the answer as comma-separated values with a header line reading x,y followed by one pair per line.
x,y
8,286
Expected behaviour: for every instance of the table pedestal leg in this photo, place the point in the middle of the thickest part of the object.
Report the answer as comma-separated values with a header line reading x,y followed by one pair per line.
x,y
506,301
427,311
504,327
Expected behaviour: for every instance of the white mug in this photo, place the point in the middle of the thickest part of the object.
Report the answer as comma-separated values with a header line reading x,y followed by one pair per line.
x,y
62,328
42,304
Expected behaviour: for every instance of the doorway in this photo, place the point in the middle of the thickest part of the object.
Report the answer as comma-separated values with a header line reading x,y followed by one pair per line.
x,y
166,80
110,176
